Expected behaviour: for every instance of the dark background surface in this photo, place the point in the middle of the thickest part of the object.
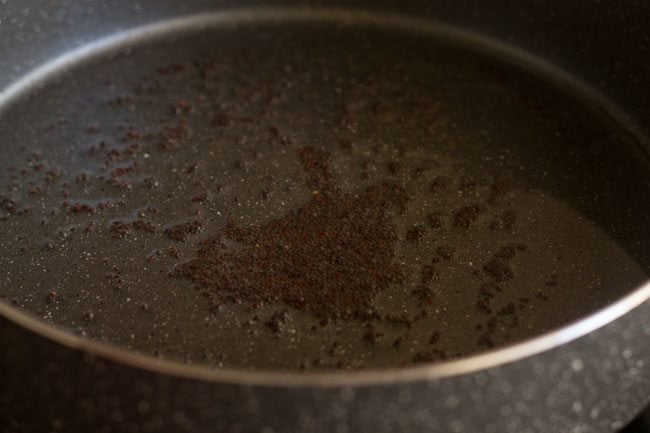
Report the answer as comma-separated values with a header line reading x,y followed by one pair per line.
x,y
640,424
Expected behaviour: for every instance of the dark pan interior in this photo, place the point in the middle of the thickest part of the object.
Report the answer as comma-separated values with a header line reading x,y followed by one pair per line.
x,y
300,194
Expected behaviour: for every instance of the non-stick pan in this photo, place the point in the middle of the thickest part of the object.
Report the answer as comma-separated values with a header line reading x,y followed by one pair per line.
x,y
245,218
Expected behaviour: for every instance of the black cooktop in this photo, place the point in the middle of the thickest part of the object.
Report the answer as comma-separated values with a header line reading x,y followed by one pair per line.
x,y
640,425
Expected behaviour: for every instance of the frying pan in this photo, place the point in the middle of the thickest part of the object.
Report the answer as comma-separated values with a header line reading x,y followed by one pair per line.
x,y
234,218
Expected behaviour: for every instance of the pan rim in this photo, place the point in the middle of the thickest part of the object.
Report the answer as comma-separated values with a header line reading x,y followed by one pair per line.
x,y
329,379
490,359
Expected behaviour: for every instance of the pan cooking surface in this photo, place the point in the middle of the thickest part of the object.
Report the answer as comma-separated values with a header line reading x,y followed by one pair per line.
x,y
314,195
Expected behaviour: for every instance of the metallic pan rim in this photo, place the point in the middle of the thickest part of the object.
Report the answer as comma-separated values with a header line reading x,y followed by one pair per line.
x,y
461,366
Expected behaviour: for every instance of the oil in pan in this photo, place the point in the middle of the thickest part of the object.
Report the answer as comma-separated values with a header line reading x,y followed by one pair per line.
x,y
312,195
